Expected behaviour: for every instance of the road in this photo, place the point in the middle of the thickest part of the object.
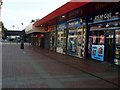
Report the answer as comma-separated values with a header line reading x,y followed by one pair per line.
x,y
34,67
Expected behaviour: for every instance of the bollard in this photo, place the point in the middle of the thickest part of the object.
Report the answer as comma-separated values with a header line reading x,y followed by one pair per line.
x,y
22,45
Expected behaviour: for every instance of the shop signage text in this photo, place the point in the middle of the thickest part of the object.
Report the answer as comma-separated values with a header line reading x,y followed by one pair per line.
x,y
61,26
74,23
105,16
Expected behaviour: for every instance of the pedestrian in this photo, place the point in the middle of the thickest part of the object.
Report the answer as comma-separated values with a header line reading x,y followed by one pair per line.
x,y
22,44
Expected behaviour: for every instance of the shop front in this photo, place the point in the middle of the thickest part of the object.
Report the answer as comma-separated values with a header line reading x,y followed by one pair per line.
x,y
33,39
52,30
37,39
61,38
76,38
104,36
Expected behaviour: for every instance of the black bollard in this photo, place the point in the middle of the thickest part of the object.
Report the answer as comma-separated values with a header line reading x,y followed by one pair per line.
x,y
22,45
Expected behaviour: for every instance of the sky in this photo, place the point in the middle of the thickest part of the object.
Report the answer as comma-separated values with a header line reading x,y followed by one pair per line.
x,y
16,12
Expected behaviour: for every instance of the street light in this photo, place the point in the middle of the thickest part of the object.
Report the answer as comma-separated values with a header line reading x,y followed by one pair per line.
x,y
22,25
13,26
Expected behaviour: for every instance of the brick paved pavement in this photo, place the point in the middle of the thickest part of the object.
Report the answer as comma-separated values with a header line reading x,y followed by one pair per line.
x,y
38,68
0,64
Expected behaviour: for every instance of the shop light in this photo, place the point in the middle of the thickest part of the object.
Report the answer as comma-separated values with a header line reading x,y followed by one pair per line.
x,y
116,24
99,26
116,13
107,25
63,16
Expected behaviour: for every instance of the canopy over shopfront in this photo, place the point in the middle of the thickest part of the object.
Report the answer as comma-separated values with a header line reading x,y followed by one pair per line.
x,y
58,12
72,10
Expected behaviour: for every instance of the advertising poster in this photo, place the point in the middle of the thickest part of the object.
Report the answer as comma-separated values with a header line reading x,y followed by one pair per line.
x,y
94,39
101,39
98,52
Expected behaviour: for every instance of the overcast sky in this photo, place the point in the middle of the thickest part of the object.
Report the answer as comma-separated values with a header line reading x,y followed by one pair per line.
x,y
15,12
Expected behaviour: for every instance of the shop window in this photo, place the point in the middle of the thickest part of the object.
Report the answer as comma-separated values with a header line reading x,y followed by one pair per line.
x,y
101,37
117,47
117,36
98,37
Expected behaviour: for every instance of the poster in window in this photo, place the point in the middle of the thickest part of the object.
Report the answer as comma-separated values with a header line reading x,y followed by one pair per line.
x,y
98,52
94,39
101,39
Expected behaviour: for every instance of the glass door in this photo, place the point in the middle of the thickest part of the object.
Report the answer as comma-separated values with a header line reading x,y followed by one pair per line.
x,y
72,37
80,43
109,45
61,41
52,40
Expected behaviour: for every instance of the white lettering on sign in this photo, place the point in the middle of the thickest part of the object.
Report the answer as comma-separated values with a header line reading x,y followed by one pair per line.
x,y
61,26
73,23
103,16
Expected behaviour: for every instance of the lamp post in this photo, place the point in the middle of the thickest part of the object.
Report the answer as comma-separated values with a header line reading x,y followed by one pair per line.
x,y
22,25
13,26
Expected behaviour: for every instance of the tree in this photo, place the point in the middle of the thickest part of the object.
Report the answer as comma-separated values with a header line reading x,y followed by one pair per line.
x,y
32,21
3,31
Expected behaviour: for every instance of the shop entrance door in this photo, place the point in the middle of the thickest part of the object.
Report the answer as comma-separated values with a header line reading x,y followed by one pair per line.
x,y
109,45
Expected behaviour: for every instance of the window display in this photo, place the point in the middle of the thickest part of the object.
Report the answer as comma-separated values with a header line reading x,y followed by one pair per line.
x,y
117,47
52,40
61,38
76,42
76,37
61,41
97,45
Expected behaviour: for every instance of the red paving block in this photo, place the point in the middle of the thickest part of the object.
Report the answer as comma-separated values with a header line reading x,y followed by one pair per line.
x,y
17,69
88,84
114,80
34,85
59,69
16,63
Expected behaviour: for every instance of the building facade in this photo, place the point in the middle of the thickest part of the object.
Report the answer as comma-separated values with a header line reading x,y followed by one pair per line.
x,y
89,30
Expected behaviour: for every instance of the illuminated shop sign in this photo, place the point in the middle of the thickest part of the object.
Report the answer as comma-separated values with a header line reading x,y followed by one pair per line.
x,y
105,16
61,26
74,23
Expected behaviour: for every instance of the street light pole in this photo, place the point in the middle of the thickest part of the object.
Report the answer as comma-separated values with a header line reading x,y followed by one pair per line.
x,y
22,25
13,26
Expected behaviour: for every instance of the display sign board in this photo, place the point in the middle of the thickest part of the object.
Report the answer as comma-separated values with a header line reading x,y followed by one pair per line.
x,y
98,52
61,26
74,23
104,17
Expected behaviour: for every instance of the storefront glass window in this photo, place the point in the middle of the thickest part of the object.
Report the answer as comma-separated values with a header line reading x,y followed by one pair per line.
x,y
52,40
98,37
61,41
76,42
117,47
